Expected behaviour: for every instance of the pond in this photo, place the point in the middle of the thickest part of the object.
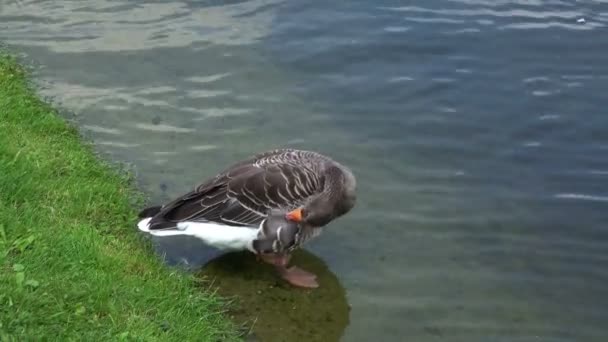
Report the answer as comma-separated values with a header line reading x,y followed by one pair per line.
x,y
478,131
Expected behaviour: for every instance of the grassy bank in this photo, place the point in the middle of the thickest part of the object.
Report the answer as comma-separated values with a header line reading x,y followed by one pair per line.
x,y
72,265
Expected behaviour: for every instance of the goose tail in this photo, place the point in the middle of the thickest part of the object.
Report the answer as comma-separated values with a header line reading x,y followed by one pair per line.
x,y
149,211
216,235
144,224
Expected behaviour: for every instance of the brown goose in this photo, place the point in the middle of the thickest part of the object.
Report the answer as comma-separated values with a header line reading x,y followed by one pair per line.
x,y
238,208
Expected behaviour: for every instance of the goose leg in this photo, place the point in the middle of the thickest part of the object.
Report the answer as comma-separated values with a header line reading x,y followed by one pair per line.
x,y
293,275
279,260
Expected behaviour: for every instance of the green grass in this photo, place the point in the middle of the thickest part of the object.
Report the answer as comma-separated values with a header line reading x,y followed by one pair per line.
x,y
72,266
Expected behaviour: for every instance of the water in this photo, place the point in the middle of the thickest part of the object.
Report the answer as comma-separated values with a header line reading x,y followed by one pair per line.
x,y
477,130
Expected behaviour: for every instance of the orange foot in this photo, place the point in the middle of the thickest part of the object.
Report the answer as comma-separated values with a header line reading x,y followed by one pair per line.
x,y
298,277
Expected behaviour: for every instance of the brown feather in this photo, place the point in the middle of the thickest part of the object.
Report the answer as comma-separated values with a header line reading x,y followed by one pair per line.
x,y
244,193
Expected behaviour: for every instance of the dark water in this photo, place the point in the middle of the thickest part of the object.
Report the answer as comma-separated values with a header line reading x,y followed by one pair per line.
x,y
478,131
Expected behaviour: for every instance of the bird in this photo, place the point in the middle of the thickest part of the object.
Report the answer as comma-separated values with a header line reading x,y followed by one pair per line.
x,y
270,204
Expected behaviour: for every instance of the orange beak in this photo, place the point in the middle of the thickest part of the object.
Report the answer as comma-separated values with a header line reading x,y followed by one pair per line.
x,y
295,215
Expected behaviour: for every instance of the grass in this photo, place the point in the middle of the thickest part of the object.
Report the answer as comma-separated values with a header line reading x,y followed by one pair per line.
x,y
72,266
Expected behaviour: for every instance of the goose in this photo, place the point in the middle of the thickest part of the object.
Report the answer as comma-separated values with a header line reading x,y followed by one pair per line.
x,y
269,204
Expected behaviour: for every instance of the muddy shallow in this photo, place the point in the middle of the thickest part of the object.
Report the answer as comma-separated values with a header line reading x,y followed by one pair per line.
x,y
272,309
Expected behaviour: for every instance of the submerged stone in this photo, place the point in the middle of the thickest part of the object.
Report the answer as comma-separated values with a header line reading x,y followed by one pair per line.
x,y
273,310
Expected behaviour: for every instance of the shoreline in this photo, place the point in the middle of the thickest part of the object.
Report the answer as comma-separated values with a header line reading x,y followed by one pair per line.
x,y
74,265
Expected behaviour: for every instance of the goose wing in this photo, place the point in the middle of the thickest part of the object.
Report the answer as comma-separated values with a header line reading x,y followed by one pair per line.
x,y
243,195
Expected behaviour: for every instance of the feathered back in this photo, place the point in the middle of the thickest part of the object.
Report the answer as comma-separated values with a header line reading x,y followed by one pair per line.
x,y
244,193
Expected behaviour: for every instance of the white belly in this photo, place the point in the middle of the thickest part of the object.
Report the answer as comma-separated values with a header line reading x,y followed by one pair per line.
x,y
214,234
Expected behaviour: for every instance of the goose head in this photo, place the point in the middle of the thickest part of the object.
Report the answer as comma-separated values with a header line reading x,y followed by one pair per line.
x,y
337,198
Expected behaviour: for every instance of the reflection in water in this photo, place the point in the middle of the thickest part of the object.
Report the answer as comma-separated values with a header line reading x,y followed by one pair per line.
x,y
274,310
106,25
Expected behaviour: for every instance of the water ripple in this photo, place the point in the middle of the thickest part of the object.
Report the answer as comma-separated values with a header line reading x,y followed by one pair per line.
x,y
208,78
582,197
396,29
107,26
546,25
163,128
117,144
104,130
537,18
201,148
510,13
201,93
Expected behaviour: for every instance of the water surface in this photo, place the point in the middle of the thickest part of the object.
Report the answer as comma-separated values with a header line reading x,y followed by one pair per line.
x,y
477,129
